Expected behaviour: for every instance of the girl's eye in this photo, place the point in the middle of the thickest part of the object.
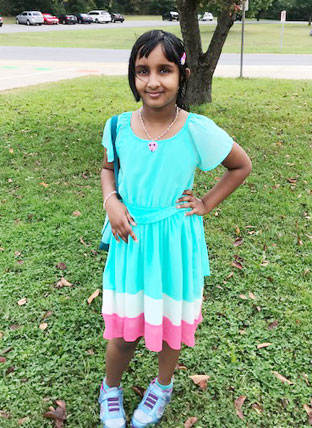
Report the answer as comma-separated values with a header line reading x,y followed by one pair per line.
x,y
165,70
142,71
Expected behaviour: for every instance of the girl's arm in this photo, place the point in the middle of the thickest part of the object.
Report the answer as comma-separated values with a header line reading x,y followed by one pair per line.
x,y
117,212
238,167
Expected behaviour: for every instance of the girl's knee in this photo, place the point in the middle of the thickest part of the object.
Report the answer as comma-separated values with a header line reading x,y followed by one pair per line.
x,y
124,346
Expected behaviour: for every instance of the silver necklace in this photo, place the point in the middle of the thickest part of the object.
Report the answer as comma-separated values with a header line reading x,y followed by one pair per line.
x,y
152,145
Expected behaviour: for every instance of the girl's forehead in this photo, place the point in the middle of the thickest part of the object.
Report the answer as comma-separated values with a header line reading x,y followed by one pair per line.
x,y
157,55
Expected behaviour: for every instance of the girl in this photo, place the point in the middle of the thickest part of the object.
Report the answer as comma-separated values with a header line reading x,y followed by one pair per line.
x,y
154,274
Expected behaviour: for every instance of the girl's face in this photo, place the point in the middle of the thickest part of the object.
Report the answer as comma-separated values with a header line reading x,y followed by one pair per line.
x,y
157,79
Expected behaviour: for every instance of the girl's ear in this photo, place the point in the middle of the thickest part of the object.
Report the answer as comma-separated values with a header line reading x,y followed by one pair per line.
x,y
187,73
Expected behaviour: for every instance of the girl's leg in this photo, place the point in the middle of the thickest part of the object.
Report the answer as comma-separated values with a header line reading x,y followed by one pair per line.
x,y
118,355
167,361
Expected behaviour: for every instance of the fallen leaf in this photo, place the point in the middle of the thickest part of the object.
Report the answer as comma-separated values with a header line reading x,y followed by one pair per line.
x,y
23,420
47,315
22,301
180,366
230,275
263,345
306,380
76,213
251,295
237,230
10,370
4,415
190,422
237,264
2,360
200,380
14,327
93,296
238,405
292,180
257,408
43,326
308,409
11,150
1,249
273,325
83,242
264,263
10,180
1,335
43,184
58,414
17,253
139,390
63,283
299,242
61,266
242,296
238,241
242,331
20,262
7,350
282,378
90,351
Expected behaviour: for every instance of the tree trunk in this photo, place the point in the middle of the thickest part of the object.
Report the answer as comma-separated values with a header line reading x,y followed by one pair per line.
x,y
310,18
202,65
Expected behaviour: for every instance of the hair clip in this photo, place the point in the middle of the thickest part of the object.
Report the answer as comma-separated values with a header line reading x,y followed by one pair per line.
x,y
183,59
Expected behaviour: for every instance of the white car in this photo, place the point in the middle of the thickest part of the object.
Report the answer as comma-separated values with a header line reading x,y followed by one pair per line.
x,y
207,16
100,16
30,18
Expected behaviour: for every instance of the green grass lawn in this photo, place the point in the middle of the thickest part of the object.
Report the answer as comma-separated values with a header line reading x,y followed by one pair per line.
x,y
50,157
259,38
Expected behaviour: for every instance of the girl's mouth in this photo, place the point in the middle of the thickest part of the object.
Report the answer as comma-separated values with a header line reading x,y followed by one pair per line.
x,y
154,94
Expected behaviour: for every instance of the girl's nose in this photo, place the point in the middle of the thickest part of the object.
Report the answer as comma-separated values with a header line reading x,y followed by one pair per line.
x,y
153,81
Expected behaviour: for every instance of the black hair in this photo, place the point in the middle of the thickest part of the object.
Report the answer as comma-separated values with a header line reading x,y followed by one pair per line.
x,y
173,49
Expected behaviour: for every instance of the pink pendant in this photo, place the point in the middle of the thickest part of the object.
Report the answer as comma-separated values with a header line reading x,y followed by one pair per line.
x,y
152,146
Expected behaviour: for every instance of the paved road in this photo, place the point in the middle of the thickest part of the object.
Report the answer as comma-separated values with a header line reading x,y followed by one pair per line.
x,y
14,28
85,55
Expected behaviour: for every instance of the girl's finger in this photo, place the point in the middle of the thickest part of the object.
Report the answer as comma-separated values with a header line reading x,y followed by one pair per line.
x,y
132,234
189,213
131,220
184,198
115,235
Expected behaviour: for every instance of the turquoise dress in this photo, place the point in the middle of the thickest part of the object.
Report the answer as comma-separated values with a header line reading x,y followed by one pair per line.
x,y
154,288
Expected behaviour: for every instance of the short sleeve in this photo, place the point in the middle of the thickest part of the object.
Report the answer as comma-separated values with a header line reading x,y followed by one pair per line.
x,y
213,144
107,141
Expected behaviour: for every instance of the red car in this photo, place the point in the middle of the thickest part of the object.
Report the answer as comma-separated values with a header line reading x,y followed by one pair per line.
x,y
50,19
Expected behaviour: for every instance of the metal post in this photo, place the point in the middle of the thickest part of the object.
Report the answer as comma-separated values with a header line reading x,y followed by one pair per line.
x,y
242,44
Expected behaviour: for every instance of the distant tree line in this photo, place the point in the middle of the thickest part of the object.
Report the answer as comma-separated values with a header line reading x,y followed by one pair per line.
x,y
270,9
134,7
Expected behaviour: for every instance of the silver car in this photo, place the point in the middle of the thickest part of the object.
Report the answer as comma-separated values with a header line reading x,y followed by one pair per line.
x,y
30,18
100,16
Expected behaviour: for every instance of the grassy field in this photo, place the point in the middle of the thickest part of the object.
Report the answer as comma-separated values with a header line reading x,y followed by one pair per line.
x,y
259,38
50,157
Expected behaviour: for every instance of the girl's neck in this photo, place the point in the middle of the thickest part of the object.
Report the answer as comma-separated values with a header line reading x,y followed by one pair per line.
x,y
163,114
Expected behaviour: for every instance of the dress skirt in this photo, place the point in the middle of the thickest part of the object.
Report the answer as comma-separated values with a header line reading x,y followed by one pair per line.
x,y
153,288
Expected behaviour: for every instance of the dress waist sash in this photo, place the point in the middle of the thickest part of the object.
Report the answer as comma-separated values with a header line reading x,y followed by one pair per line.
x,y
151,215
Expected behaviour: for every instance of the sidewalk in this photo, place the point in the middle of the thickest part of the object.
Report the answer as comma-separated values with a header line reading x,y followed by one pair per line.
x,y
18,73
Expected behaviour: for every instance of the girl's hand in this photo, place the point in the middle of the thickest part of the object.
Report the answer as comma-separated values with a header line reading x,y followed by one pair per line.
x,y
120,220
190,201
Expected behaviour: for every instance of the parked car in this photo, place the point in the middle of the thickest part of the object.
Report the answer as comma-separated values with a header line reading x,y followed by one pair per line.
x,y
1,21
50,19
84,18
117,17
100,16
67,19
207,16
30,18
171,16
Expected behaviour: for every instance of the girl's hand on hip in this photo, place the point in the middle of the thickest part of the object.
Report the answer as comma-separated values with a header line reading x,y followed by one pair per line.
x,y
120,220
190,201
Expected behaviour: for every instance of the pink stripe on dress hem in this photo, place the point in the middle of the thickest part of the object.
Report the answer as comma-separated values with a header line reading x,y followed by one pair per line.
x,y
132,328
